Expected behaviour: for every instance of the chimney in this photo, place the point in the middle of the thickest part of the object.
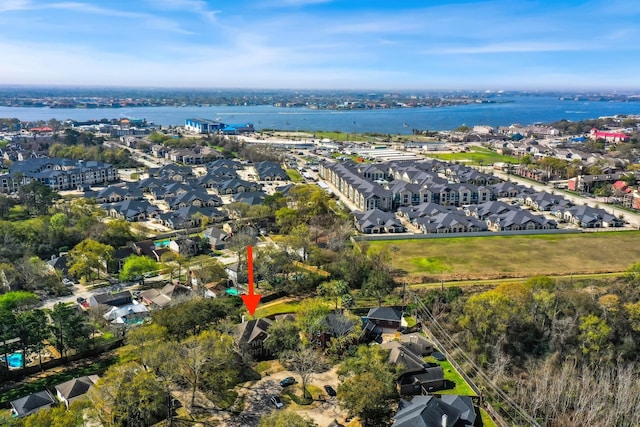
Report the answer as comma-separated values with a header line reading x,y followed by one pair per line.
x,y
243,319
444,420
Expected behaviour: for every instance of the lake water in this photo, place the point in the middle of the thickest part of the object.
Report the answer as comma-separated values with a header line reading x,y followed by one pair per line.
x,y
523,110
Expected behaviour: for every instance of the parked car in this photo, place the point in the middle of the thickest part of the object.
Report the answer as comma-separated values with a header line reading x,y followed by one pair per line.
x,y
288,381
330,390
277,402
67,282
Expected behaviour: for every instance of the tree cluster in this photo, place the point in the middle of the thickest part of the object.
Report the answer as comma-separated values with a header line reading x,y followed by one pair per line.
x,y
62,326
566,349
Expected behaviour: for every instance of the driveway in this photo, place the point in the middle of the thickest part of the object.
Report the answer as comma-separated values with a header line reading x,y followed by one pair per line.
x,y
256,400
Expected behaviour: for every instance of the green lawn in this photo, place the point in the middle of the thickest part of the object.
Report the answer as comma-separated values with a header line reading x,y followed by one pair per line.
x,y
451,374
278,308
294,175
511,256
487,421
477,156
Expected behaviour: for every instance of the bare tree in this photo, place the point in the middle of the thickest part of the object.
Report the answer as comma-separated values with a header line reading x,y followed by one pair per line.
x,y
305,362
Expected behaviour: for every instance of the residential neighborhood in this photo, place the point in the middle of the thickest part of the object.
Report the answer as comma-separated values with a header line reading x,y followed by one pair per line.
x,y
166,247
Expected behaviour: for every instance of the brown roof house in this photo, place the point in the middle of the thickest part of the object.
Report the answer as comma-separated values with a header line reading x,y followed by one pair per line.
x,y
250,336
161,298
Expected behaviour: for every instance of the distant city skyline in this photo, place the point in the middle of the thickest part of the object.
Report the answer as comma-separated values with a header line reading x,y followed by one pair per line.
x,y
322,44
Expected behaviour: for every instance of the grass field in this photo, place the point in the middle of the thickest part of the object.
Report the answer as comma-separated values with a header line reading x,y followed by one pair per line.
x,y
278,307
294,175
477,156
512,256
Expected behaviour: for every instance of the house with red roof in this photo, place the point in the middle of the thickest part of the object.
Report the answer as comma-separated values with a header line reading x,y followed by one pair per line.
x,y
622,187
609,136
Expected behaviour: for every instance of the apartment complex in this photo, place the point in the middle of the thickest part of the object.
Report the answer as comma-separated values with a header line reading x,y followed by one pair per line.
x,y
58,174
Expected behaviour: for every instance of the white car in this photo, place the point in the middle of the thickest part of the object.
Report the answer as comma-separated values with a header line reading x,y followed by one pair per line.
x,y
277,402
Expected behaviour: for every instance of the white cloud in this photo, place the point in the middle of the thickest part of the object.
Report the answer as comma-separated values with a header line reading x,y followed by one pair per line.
x,y
151,21
198,6
511,47
13,5
269,4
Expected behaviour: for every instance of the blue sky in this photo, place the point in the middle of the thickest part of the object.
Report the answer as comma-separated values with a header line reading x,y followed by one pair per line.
x,y
314,44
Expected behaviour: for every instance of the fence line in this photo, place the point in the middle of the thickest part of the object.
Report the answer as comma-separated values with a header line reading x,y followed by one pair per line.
x,y
411,236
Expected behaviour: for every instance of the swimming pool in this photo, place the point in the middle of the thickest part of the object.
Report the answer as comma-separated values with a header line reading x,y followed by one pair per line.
x,y
232,291
162,243
14,360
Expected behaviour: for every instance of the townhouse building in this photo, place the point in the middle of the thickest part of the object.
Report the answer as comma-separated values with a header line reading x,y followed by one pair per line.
x,y
57,174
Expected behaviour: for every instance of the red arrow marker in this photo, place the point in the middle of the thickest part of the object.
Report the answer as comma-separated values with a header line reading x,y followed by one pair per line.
x,y
252,300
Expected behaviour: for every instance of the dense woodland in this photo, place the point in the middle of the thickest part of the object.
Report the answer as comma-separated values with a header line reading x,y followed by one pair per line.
x,y
566,351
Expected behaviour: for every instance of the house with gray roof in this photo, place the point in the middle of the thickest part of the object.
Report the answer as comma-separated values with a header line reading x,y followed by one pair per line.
x,y
150,184
170,189
464,174
216,175
149,249
32,403
506,189
487,209
520,220
71,390
432,411
449,222
236,185
116,299
175,172
229,163
376,221
190,216
194,197
117,193
385,317
270,171
588,217
250,197
547,202
131,210
427,209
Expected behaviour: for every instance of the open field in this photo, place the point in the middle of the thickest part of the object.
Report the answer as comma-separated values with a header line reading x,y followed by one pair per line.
x,y
511,256
477,156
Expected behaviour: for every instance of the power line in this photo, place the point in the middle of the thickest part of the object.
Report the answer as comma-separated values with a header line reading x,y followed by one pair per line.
x,y
515,413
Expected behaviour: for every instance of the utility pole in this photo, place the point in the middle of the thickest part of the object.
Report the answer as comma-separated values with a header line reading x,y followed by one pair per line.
x,y
404,293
